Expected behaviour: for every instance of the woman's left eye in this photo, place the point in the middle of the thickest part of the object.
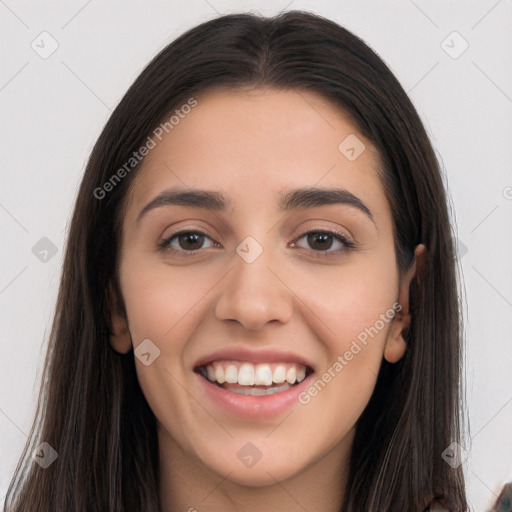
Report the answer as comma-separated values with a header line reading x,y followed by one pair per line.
x,y
192,241
323,241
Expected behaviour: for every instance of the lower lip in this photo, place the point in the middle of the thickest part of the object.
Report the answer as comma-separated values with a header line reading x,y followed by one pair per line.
x,y
253,407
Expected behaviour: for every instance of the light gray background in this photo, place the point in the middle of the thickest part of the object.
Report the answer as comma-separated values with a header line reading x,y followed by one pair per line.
x,y
53,109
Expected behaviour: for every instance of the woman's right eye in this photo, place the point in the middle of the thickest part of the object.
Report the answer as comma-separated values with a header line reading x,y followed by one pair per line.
x,y
187,241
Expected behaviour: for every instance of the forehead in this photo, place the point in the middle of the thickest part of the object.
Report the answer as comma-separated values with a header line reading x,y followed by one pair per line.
x,y
257,143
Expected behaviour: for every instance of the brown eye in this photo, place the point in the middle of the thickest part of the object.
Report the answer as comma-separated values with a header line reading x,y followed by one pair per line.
x,y
320,241
190,241
324,240
184,241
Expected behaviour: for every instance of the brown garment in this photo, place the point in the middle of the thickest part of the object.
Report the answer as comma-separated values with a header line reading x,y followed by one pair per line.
x,y
502,504
504,501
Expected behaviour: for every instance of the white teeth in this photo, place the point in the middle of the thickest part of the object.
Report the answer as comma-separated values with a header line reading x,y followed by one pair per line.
x,y
246,374
263,375
291,375
259,391
219,374
279,375
231,374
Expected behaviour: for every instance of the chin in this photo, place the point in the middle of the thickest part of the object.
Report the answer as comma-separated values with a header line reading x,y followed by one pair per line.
x,y
263,473
261,477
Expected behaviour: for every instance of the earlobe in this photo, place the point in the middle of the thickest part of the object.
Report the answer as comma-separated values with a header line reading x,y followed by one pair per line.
x,y
396,344
120,339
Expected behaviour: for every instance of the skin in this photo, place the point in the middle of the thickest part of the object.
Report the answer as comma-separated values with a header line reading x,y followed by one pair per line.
x,y
252,145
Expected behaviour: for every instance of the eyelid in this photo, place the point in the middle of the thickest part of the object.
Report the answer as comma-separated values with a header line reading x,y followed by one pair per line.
x,y
333,230
347,243
164,244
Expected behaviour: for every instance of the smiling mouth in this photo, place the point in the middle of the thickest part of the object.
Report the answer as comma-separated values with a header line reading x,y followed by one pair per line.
x,y
260,379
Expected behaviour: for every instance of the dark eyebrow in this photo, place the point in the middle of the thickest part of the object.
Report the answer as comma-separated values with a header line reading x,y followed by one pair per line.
x,y
196,198
314,197
293,200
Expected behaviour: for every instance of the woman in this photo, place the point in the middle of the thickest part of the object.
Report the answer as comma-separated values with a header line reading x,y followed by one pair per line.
x,y
304,352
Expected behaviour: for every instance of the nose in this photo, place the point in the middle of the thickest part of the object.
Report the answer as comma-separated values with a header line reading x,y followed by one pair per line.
x,y
254,294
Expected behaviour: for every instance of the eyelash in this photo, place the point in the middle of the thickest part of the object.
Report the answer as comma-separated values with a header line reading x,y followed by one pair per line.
x,y
348,245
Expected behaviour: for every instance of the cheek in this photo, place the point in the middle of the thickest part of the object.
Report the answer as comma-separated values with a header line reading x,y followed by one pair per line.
x,y
160,301
356,305
348,300
166,306
359,316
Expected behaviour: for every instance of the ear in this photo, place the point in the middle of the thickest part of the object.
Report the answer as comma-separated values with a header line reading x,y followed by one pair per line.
x,y
120,338
395,343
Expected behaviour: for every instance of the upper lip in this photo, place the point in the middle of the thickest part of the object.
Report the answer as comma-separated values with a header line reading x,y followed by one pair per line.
x,y
264,355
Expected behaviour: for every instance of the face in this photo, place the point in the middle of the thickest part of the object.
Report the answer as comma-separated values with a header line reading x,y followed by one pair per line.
x,y
266,289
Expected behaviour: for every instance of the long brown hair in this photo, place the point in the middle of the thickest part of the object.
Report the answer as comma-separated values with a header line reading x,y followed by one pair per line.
x,y
91,409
